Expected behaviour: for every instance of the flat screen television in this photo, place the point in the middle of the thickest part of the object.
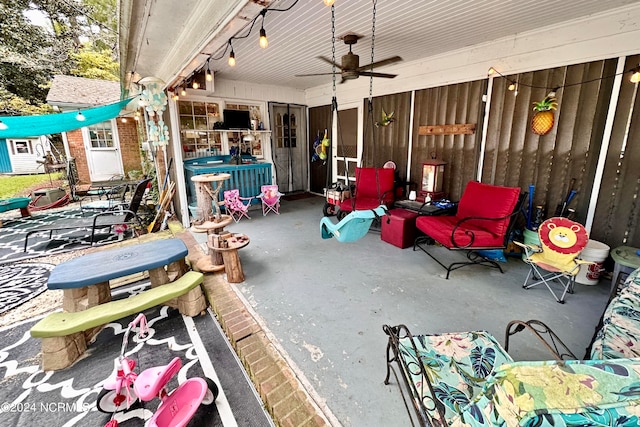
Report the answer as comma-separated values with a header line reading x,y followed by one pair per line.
x,y
236,119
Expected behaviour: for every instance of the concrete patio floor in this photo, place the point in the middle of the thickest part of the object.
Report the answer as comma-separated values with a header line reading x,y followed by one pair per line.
x,y
323,303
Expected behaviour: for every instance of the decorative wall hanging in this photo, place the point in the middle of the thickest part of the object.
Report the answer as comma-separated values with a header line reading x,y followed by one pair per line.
x,y
543,119
154,101
387,119
456,129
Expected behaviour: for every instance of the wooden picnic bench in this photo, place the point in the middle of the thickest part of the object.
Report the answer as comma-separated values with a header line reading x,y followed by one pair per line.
x,y
64,334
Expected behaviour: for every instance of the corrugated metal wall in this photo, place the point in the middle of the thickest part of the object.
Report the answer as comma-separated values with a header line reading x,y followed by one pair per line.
x,y
383,143
618,209
455,104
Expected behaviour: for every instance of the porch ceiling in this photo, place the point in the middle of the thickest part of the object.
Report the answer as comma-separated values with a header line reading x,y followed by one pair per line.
x,y
162,39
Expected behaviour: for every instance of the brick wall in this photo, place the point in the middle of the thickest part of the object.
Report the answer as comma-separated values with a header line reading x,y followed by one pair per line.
x,y
76,147
129,145
129,149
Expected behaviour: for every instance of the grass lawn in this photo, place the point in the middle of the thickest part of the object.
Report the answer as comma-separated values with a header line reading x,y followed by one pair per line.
x,y
21,185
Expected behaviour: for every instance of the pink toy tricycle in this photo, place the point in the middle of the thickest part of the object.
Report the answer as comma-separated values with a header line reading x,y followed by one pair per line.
x,y
125,387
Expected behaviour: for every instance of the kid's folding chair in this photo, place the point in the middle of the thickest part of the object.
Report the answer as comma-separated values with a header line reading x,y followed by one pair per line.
x,y
561,241
237,206
270,197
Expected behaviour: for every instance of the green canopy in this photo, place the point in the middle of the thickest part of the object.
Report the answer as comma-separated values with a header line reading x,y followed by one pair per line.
x,y
27,126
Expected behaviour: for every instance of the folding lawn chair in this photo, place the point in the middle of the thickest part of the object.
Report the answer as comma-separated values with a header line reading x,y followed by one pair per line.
x,y
270,197
237,206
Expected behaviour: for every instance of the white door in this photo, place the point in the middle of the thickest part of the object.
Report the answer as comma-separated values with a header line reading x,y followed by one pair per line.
x,y
289,146
103,150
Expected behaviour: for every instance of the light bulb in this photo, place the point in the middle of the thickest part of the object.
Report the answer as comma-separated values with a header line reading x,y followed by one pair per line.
x,y
512,87
491,71
329,2
176,97
264,43
123,120
183,91
635,77
232,59
209,76
195,85
3,125
80,117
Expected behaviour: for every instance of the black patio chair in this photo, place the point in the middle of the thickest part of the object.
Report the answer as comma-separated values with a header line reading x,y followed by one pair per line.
x,y
123,214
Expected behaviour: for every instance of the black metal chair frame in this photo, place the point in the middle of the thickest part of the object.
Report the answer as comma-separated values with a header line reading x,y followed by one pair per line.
x,y
408,390
108,219
472,256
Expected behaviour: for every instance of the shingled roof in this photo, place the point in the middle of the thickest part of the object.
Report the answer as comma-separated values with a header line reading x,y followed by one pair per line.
x,y
71,91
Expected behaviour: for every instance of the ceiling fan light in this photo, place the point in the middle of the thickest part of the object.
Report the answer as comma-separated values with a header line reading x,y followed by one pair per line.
x,y
264,42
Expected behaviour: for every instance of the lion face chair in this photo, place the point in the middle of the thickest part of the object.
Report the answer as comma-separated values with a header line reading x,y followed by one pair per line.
x,y
555,260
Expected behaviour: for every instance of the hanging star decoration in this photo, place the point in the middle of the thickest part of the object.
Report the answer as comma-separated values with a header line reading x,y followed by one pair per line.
x,y
387,119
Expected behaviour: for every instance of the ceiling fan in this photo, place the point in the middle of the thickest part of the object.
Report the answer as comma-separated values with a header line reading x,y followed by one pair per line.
x,y
349,67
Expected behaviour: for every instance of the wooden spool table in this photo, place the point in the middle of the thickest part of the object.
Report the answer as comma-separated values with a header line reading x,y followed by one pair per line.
x,y
210,219
228,246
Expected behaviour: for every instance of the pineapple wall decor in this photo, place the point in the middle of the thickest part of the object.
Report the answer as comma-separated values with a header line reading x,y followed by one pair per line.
x,y
543,118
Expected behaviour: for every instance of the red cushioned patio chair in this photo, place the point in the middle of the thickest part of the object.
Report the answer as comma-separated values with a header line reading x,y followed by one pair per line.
x,y
373,187
485,217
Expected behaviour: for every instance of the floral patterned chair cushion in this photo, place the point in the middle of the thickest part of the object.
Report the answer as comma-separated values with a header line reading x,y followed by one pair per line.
x,y
550,393
456,364
619,336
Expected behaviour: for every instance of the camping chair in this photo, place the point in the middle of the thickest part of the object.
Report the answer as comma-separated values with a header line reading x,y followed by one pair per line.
x,y
483,222
123,215
555,260
270,197
237,206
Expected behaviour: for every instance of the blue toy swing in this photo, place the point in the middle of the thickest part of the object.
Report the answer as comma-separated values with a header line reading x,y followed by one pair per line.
x,y
352,227
356,224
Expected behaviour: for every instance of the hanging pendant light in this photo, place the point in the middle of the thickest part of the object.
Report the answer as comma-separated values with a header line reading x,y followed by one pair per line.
x,y
264,42
232,59
208,75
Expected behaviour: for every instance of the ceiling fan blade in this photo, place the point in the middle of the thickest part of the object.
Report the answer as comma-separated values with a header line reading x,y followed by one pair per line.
x,y
329,61
314,74
370,74
380,63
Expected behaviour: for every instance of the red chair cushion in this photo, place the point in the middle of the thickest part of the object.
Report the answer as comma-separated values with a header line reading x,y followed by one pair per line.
x,y
488,201
372,185
441,227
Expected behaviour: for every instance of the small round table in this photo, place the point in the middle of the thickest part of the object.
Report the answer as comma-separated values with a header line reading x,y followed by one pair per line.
x,y
228,247
626,260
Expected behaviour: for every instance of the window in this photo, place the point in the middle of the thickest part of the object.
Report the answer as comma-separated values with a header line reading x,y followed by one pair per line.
x,y
101,135
22,146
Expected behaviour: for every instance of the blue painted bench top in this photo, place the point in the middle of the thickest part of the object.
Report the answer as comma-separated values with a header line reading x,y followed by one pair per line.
x,y
100,267
14,203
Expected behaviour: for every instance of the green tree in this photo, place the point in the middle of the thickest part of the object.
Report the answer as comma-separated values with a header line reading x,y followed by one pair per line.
x,y
80,39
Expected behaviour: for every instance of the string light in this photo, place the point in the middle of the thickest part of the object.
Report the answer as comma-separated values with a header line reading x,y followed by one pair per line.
x,y
80,117
635,76
123,120
195,85
208,75
232,59
264,43
3,125
512,86
329,2
183,91
491,71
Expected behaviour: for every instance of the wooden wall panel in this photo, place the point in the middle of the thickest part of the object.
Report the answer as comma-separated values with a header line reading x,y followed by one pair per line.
x,y
319,120
455,104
